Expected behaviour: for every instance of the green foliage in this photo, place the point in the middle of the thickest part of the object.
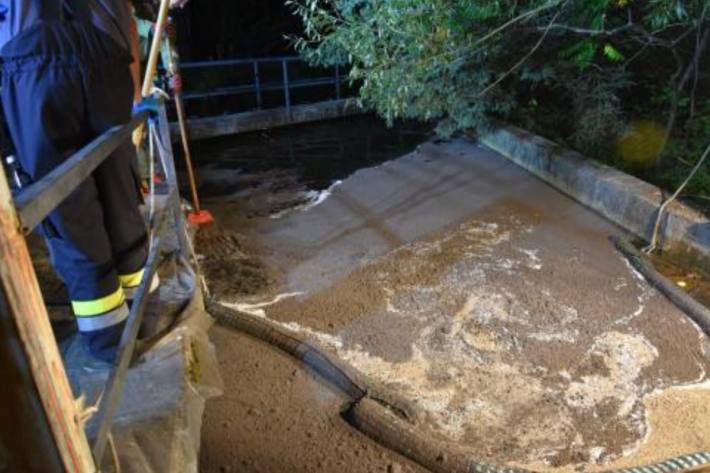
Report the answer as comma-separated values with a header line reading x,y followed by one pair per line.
x,y
595,63
612,53
598,114
581,53
684,151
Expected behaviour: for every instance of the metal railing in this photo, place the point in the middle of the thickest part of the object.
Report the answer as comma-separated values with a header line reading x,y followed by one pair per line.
x,y
258,87
34,203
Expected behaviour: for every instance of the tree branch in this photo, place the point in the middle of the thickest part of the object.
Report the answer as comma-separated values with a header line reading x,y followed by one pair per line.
x,y
678,88
657,227
518,18
521,61
696,65
588,31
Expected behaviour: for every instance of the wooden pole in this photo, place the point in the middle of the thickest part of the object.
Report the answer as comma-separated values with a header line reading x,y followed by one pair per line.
x,y
179,107
153,56
174,67
197,216
36,369
155,48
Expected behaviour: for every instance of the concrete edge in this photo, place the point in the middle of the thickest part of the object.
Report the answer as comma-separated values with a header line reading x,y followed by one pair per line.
x,y
232,124
625,200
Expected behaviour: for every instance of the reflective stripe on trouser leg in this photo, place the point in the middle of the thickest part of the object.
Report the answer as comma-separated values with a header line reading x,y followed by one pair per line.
x,y
130,283
101,313
131,280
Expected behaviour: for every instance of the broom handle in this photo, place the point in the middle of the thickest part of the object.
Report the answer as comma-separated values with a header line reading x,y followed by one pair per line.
x,y
174,66
152,61
155,48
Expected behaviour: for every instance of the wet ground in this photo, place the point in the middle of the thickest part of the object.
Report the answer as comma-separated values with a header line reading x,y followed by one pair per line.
x,y
491,301
690,280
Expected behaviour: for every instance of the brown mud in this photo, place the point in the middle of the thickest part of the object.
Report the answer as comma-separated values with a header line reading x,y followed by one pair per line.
x,y
275,416
230,271
490,301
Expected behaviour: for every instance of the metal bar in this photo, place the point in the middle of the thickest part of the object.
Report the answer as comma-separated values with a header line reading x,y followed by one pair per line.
x,y
114,385
171,177
238,89
36,202
257,85
337,82
287,92
234,62
115,382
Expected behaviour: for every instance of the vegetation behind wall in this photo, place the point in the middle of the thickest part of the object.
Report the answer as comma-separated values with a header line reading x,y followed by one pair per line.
x,y
624,81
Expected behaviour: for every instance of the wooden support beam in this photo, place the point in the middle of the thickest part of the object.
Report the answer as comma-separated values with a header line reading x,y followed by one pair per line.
x,y
48,417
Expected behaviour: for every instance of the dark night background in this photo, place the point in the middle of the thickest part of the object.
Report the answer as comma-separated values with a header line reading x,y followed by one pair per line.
x,y
210,29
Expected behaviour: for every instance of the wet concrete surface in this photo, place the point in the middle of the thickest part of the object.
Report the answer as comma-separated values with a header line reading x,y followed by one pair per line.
x,y
490,300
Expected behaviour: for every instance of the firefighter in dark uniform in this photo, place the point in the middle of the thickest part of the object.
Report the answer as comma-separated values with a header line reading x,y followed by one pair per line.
x,y
66,78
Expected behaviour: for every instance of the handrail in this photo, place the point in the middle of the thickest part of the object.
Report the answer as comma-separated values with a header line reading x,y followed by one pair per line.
x,y
237,89
235,62
114,384
38,200
34,203
257,86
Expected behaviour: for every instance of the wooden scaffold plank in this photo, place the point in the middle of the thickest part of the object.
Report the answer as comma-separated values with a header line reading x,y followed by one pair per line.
x,y
48,417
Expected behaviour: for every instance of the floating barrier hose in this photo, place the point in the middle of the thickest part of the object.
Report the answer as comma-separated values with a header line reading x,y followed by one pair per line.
x,y
354,385
389,420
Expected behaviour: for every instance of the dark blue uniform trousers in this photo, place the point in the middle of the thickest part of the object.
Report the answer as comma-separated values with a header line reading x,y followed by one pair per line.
x,y
64,83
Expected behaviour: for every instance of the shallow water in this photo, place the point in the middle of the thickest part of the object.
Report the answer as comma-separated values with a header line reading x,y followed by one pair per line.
x,y
316,154
695,283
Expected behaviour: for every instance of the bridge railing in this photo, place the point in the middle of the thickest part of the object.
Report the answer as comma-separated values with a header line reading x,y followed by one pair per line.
x,y
258,86
21,300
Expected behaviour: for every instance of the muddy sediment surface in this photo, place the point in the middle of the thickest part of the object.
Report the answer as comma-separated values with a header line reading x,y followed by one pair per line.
x,y
490,301
231,271
504,345
275,416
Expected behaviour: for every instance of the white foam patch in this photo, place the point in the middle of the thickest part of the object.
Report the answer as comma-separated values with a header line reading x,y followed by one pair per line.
x,y
464,367
534,261
625,356
257,308
311,199
620,283
633,270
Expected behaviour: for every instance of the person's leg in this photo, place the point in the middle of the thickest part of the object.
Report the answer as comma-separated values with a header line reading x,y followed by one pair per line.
x,y
45,110
111,96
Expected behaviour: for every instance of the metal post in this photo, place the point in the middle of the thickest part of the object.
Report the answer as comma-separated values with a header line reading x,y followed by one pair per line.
x,y
337,82
287,95
171,177
116,380
257,85
114,385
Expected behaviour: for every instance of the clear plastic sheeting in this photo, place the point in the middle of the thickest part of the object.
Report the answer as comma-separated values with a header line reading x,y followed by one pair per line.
x,y
157,428
157,425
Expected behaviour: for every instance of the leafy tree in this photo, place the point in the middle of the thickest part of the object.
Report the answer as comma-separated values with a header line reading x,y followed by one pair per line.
x,y
594,64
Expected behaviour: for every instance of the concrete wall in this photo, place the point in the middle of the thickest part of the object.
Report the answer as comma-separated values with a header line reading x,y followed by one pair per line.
x,y
623,199
200,128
